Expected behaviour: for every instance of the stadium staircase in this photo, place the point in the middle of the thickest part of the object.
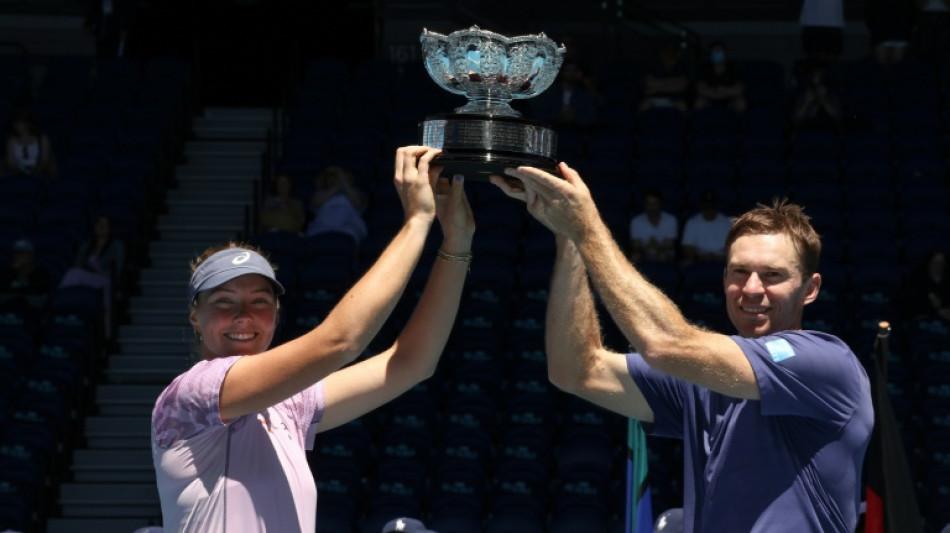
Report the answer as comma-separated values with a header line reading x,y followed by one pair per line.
x,y
113,489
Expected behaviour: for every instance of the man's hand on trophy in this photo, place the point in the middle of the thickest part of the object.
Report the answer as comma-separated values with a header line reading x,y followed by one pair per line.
x,y
563,205
415,181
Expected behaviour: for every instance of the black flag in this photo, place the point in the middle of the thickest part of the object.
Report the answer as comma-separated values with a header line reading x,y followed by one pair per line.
x,y
889,491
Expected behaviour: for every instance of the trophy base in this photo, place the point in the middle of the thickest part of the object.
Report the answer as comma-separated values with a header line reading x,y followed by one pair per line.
x,y
478,146
479,166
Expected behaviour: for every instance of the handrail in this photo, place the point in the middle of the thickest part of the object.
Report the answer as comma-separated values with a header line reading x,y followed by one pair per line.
x,y
636,11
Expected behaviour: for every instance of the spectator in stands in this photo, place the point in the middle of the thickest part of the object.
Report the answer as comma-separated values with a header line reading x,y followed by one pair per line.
x,y
282,210
721,83
890,25
822,23
653,233
337,204
704,234
570,102
100,262
775,420
818,107
23,279
932,38
927,289
28,150
667,82
238,421
107,22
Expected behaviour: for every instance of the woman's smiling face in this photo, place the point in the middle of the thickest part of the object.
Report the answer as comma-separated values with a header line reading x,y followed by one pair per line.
x,y
237,318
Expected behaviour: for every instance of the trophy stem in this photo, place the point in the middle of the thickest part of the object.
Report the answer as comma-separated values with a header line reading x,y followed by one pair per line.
x,y
483,104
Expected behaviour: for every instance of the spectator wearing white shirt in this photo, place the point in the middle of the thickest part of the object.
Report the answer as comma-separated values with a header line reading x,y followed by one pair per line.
x,y
653,233
704,235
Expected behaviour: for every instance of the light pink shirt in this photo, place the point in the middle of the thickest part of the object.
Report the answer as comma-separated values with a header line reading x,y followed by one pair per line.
x,y
250,475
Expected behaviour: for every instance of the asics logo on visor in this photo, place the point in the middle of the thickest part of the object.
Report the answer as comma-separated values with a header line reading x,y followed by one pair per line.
x,y
241,258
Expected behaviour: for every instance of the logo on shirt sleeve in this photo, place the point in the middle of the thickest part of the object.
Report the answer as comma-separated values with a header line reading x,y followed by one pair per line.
x,y
780,350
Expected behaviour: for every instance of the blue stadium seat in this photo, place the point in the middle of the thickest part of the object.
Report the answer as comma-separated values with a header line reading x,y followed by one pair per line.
x,y
714,120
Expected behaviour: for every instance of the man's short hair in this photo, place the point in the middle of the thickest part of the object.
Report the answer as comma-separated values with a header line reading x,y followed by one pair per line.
x,y
785,218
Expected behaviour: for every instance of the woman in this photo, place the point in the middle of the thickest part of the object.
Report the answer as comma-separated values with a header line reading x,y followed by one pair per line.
x,y
228,435
99,262
27,150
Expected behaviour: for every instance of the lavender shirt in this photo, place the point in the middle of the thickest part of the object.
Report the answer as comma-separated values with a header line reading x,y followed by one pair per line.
x,y
250,475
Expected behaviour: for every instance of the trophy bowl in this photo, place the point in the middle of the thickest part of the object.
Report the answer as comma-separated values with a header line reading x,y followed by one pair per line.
x,y
486,134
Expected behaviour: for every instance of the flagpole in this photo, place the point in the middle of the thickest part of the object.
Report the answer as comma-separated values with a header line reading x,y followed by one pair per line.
x,y
890,499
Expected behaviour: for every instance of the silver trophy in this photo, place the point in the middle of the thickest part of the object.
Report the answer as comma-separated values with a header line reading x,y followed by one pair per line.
x,y
486,135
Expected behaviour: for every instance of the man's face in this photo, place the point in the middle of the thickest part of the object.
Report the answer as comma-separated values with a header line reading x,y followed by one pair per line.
x,y
765,292
652,205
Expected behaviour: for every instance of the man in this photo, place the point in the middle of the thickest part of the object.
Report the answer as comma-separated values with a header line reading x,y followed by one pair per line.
x,y
775,420
705,232
653,232
570,102
721,83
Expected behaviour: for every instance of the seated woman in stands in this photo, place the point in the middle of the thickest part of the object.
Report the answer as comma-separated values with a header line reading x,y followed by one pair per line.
x,y
28,150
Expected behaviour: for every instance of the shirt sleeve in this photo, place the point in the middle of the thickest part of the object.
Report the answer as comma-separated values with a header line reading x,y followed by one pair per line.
x,y
665,394
805,373
190,404
314,405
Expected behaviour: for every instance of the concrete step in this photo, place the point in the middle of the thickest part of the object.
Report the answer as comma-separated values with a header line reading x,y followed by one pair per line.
x,y
233,149
109,500
140,363
179,275
225,130
166,303
174,247
233,220
127,400
159,288
236,113
205,190
129,332
190,173
188,233
110,466
188,200
118,432
99,525
178,345
161,317
187,206
220,163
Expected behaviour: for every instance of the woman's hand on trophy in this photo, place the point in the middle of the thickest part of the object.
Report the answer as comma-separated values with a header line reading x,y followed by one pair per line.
x,y
454,214
415,181
564,206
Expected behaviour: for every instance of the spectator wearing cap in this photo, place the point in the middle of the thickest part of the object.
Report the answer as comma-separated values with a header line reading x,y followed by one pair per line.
x,y
704,234
22,278
229,434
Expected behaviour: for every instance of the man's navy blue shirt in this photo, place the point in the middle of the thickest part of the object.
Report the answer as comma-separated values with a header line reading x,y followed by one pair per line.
x,y
789,462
